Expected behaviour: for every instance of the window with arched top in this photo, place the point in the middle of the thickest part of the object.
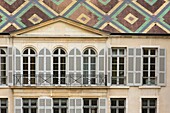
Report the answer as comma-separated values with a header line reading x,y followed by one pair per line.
x,y
89,66
29,66
2,67
59,66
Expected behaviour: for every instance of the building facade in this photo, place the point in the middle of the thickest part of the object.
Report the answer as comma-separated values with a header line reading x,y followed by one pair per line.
x,y
61,66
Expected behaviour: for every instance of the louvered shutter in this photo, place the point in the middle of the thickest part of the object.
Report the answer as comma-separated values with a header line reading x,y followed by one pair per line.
x,y
45,105
102,105
138,67
101,76
161,66
44,67
17,105
75,105
10,65
17,67
109,67
131,64
78,60
72,65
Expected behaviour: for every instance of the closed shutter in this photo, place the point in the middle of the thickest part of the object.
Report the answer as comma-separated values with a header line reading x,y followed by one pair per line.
x,y
101,77
75,105
17,67
44,77
131,66
75,67
161,66
45,105
10,65
17,105
138,67
102,105
109,67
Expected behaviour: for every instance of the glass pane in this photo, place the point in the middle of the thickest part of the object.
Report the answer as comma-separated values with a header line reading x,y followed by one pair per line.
x,y
33,110
63,60
63,110
153,52
113,110
33,102
25,110
3,110
121,60
86,110
145,67
63,66
3,66
121,80
85,66
55,67
55,80
114,67
152,60
121,67
121,52
56,51
152,102
62,81
144,110
86,102
2,51
32,52
145,74
32,66
56,102
152,74
55,59
86,52
152,110
62,52
145,60
25,102
94,102
85,59
121,110
93,67
56,110
145,52
26,51
32,59
25,66
93,59
25,59
63,102
3,59
114,51
114,60
121,102
92,52
114,73
114,80
3,102
113,102
144,102
145,80
152,67
121,73
94,110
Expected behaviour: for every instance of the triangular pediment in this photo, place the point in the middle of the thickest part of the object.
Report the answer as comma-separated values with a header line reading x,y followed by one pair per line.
x,y
59,27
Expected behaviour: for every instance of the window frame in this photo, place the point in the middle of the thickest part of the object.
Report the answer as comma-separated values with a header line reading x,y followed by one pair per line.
x,y
28,56
4,107
5,67
118,56
60,106
87,78
90,106
117,107
30,107
149,56
148,107
59,56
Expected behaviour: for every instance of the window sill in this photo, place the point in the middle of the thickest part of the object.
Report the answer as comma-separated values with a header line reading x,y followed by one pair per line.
x,y
120,87
149,87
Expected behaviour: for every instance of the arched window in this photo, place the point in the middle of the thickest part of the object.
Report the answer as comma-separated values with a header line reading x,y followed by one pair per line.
x,y
29,66
59,66
89,66
2,67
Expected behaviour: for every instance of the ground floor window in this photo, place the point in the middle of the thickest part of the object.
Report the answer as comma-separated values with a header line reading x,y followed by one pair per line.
x,y
29,105
3,105
90,105
149,105
60,105
118,105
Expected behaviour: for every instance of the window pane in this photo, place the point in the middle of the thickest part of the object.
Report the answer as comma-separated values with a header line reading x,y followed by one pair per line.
x,y
33,102
86,102
121,110
114,67
144,110
25,110
113,102
121,60
153,52
3,59
26,51
113,110
152,110
152,60
63,102
94,110
92,52
121,103
25,59
56,51
121,67
114,60
145,52
56,110
86,52
55,59
62,60
121,52
62,51
93,60
86,110
33,110
3,110
25,102
114,73
3,102
32,52
56,102
63,110
94,102
85,59
152,102
145,60
114,51
32,59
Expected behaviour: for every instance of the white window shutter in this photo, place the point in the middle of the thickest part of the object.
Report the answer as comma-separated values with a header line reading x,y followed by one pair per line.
x,y
138,67
109,67
17,105
48,67
41,70
77,72
101,76
162,66
45,105
102,105
10,65
131,66
17,67
75,105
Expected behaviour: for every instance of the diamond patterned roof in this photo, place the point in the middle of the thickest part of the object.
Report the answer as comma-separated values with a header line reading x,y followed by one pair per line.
x,y
116,16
